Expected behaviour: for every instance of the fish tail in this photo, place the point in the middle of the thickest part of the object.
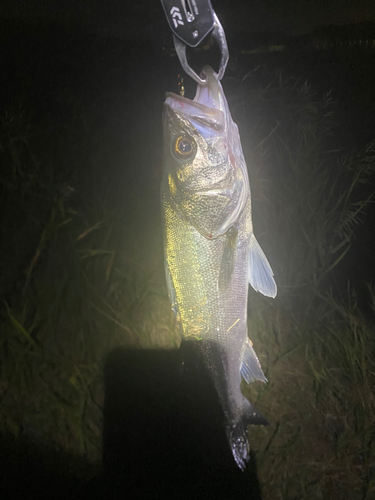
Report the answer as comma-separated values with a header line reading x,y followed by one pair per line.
x,y
239,444
237,434
251,416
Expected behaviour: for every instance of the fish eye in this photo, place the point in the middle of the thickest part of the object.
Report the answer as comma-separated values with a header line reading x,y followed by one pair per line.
x,y
184,147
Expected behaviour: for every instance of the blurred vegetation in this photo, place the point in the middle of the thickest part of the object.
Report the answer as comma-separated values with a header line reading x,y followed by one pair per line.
x,y
73,282
82,265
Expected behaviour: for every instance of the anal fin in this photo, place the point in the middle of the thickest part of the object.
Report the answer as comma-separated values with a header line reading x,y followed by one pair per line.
x,y
250,368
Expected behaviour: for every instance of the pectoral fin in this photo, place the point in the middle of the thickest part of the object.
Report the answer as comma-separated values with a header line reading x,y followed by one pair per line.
x,y
260,274
171,290
227,260
250,368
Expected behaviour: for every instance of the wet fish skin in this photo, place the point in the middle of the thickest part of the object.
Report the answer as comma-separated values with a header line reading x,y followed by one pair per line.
x,y
211,253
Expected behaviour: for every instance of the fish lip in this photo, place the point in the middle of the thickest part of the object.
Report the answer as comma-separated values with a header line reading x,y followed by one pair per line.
x,y
172,98
208,97
194,110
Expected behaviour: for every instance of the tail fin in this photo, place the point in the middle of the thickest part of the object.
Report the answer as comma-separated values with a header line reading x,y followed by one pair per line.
x,y
252,415
239,445
237,434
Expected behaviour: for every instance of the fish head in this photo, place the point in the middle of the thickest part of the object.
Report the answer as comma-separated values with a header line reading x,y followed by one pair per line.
x,y
203,158
196,146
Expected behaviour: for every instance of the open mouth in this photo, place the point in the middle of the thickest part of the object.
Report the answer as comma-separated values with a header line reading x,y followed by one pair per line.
x,y
207,98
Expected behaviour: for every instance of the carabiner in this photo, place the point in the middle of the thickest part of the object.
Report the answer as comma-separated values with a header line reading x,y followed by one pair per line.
x,y
219,35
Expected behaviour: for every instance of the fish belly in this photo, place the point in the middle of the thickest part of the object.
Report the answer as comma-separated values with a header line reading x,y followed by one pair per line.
x,y
215,318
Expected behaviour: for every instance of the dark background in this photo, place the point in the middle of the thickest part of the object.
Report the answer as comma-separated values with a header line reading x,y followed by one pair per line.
x,y
145,18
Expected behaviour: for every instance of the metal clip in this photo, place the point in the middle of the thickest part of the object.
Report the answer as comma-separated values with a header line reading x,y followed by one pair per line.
x,y
219,35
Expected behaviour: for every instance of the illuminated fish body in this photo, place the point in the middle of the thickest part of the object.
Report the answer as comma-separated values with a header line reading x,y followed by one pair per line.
x,y
211,254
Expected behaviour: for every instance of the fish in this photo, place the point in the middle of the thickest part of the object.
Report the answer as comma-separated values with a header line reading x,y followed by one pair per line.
x,y
210,251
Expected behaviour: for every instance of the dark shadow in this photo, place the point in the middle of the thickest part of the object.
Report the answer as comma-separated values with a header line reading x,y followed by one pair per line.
x,y
32,470
163,438
163,432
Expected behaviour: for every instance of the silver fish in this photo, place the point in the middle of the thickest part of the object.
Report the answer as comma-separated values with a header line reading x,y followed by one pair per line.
x,y
211,253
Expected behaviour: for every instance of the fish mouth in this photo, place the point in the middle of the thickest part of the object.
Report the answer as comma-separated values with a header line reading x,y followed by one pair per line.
x,y
208,106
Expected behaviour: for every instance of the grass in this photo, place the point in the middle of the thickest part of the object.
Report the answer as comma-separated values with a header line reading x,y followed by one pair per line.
x,y
81,293
320,403
82,270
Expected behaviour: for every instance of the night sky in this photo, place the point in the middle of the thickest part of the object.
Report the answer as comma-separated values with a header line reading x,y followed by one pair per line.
x,y
145,18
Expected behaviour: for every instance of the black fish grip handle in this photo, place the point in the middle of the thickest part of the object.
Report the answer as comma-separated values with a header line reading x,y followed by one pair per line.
x,y
191,21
